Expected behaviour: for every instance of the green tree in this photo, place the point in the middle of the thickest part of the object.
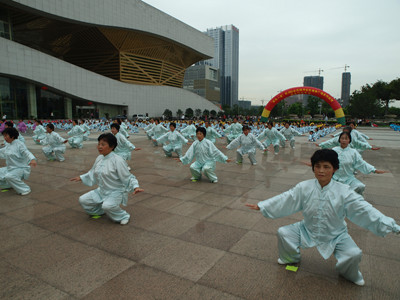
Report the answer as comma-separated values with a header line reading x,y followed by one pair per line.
x,y
167,113
278,110
312,107
206,112
213,113
394,111
327,110
364,104
179,113
189,113
296,108
381,91
197,112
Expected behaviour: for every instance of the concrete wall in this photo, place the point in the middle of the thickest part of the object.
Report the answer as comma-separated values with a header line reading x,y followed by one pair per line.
x,y
129,14
34,66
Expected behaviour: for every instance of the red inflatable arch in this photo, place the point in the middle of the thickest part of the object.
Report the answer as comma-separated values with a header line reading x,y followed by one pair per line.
x,y
306,90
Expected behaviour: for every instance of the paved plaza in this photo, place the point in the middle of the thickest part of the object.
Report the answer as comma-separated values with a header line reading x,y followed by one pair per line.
x,y
185,240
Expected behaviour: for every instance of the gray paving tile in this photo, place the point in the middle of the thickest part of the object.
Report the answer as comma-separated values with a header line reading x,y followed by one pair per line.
x,y
6,221
245,277
19,235
63,264
161,203
142,282
257,245
34,211
237,218
173,225
194,240
213,235
201,292
184,259
16,284
194,210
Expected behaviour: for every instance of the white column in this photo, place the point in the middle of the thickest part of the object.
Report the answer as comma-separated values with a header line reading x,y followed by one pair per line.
x,y
32,105
68,108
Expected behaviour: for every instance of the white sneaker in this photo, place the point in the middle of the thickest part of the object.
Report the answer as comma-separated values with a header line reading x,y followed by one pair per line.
x,y
280,261
360,282
25,193
215,181
124,222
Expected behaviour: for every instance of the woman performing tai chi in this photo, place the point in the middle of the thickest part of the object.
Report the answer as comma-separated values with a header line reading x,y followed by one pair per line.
x,y
110,172
55,147
76,135
325,204
248,144
124,147
175,141
18,163
206,155
350,161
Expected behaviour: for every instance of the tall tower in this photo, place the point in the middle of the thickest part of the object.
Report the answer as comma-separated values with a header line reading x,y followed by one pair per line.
x,y
313,81
226,58
346,81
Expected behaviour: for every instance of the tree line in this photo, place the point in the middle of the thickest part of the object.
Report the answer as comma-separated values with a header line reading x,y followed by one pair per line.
x,y
371,101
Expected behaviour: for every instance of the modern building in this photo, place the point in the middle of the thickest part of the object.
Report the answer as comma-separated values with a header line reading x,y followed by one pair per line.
x,y
204,81
346,82
246,104
226,59
313,81
95,58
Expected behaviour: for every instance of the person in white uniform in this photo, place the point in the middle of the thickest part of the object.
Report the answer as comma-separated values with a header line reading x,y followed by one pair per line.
x,y
54,144
110,172
325,203
206,154
18,163
248,144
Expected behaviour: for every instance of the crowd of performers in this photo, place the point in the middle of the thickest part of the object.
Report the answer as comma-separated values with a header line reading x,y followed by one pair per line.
x,y
325,201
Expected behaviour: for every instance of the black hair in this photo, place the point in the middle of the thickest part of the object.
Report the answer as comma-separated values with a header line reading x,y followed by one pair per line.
x,y
327,155
110,139
40,122
202,130
9,124
351,122
271,123
11,132
172,124
246,127
346,133
348,128
115,125
76,121
119,121
51,126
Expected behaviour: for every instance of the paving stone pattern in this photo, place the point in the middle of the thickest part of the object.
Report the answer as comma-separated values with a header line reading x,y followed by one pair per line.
x,y
185,240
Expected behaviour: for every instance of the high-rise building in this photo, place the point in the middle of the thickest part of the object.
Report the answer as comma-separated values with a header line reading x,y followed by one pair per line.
x,y
203,80
313,81
226,58
346,81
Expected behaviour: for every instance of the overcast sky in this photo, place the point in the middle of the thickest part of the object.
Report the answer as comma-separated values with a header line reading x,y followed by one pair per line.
x,y
282,41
